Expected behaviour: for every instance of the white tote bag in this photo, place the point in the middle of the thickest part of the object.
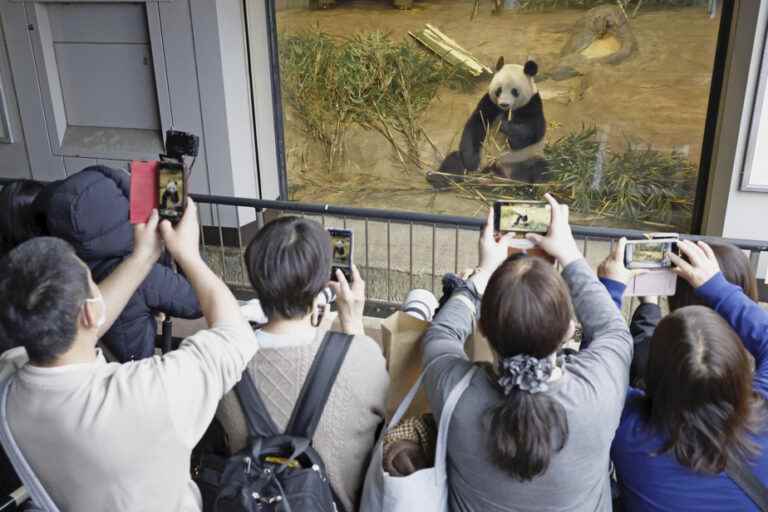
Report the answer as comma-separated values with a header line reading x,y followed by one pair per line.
x,y
425,490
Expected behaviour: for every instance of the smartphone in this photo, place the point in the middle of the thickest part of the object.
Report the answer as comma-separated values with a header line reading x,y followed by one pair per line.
x,y
521,216
171,190
341,245
649,254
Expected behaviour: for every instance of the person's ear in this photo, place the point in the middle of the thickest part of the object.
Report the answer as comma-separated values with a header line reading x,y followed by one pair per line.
x,y
317,313
89,316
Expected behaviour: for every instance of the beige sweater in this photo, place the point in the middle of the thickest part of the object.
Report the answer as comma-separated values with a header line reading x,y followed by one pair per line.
x,y
110,437
355,409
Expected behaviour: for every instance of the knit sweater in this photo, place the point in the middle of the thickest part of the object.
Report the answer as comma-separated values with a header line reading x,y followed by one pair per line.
x,y
355,409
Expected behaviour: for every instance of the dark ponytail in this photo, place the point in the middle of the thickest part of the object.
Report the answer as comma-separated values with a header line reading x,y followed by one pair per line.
x,y
526,310
525,430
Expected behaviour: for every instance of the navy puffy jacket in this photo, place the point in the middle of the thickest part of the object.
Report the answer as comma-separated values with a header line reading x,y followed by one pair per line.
x,y
90,210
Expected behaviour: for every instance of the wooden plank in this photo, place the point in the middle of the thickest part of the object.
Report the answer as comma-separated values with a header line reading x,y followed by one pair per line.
x,y
449,50
446,53
457,47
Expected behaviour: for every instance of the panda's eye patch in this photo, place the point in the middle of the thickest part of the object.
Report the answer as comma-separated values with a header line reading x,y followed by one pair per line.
x,y
515,92
498,92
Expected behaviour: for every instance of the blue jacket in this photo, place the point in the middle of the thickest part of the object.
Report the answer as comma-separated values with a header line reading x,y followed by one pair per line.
x,y
658,482
90,210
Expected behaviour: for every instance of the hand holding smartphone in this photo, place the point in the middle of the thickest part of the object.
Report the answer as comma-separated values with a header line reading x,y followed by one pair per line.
x,y
341,247
162,184
651,255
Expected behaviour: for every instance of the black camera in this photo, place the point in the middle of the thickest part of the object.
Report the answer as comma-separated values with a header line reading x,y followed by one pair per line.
x,y
180,144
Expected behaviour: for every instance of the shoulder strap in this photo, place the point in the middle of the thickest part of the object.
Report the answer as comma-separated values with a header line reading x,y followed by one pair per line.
x,y
260,423
39,495
745,478
318,384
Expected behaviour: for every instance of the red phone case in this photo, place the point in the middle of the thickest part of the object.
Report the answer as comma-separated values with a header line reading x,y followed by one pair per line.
x,y
143,190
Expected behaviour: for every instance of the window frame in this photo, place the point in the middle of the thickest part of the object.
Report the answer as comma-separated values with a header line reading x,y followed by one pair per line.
x,y
273,129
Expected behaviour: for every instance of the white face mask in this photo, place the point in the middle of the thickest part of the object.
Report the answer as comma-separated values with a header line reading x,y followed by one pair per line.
x,y
103,317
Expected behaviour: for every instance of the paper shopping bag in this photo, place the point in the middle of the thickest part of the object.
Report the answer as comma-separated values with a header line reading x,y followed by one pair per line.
x,y
401,339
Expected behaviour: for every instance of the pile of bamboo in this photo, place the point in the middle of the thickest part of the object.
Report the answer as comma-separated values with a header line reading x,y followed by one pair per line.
x,y
449,50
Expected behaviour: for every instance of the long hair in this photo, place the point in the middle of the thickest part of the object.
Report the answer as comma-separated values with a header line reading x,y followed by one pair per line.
x,y
19,221
699,391
734,265
526,309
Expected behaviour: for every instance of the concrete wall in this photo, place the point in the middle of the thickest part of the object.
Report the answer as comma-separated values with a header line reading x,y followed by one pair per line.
x,y
199,69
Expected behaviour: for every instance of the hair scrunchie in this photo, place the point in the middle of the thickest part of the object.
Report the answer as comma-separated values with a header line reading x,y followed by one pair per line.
x,y
526,373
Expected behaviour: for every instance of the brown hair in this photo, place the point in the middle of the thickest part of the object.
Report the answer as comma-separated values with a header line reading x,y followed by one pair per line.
x,y
699,390
526,309
734,265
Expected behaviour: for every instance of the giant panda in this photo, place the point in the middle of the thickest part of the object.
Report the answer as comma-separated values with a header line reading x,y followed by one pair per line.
x,y
513,99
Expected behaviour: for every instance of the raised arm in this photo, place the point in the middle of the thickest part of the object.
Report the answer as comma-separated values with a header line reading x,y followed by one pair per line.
x,y
123,282
216,300
748,319
454,323
197,375
605,334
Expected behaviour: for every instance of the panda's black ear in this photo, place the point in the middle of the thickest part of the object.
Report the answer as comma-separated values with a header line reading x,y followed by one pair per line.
x,y
531,68
500,63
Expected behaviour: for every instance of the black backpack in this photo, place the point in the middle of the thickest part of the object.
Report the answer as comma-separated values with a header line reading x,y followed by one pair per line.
x,y
278,472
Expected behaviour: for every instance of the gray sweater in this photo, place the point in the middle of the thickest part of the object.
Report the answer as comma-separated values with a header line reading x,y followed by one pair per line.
x,y
592,391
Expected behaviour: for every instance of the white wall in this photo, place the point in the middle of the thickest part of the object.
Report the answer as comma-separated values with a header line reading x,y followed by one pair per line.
x,y
730,211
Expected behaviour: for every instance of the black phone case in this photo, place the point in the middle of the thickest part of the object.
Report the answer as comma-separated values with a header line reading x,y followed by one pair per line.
x,y
167,163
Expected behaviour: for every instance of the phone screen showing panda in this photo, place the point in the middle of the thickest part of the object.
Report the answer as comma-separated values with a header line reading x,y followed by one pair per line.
x,y
341,250
171,191
521,216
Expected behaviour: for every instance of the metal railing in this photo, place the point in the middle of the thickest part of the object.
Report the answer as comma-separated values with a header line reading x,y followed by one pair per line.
x,y
396,251
400,250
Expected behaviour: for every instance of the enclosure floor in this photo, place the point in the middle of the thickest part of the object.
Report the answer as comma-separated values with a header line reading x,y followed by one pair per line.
x,y
657,97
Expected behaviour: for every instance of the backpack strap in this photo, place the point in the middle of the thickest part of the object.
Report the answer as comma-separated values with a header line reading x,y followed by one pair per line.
x,y
745,478
318,384
260,423
28,477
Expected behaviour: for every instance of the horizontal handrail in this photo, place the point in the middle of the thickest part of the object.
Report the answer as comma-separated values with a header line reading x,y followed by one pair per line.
x,y
592,232
441,220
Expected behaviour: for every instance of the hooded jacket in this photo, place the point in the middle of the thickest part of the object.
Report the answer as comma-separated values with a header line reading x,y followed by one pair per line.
x,y
90,210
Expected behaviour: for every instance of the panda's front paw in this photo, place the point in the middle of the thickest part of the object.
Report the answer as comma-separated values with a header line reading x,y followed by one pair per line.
x,y
508,128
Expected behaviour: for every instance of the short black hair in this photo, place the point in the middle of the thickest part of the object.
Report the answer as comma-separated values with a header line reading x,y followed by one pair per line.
x,y
289,264
43,286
